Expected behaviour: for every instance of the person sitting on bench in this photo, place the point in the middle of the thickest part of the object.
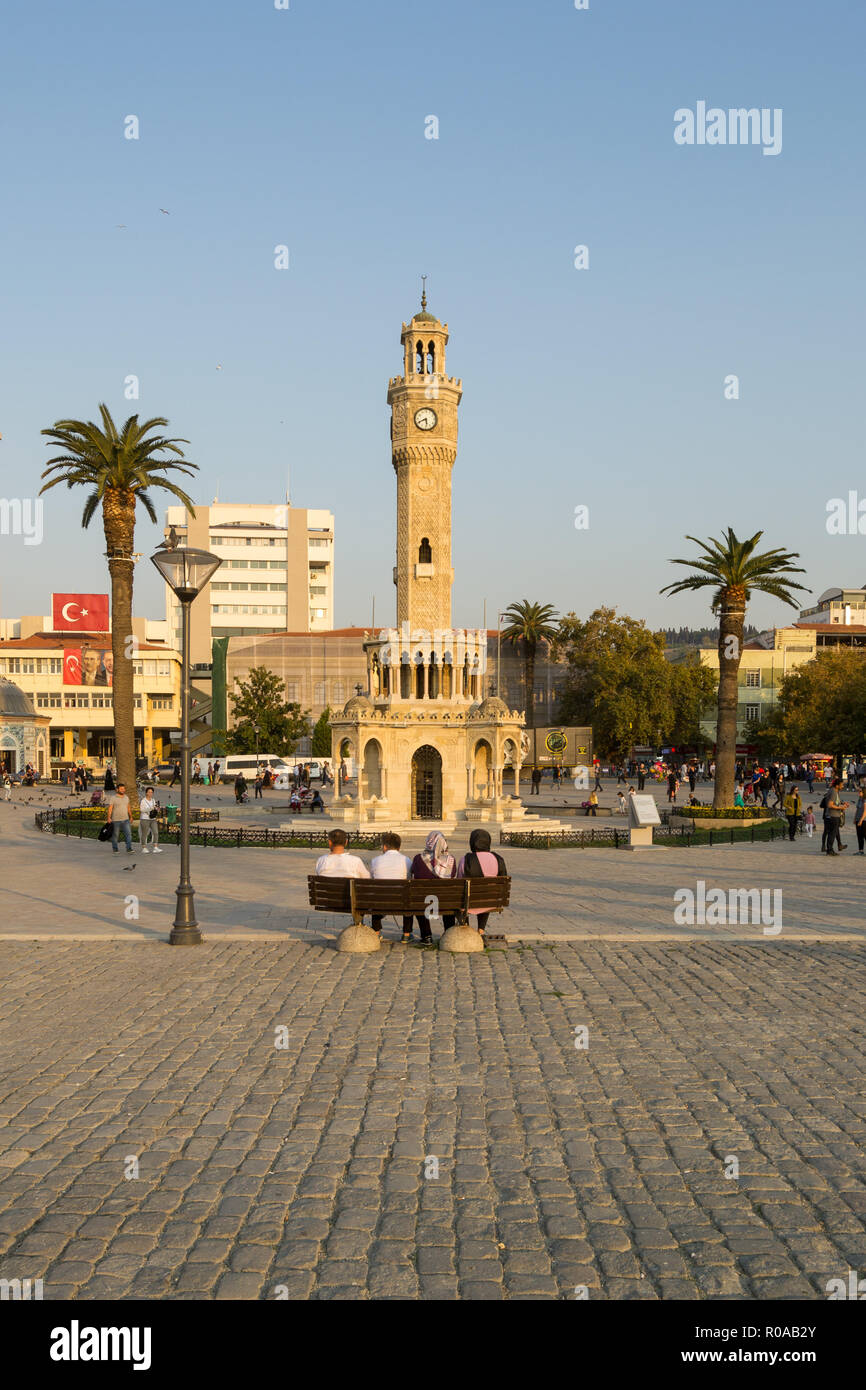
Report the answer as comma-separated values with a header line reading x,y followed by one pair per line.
x,y
480,862
433,862
391,864
337,863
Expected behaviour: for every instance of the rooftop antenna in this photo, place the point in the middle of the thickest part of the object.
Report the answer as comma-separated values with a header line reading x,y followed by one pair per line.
x,y
423,291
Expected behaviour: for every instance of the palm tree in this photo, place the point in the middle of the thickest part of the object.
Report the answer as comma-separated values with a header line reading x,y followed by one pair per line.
x,y
734,571
530,623
118,467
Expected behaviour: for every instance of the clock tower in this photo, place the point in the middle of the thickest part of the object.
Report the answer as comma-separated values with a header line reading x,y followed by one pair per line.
x,y
424,405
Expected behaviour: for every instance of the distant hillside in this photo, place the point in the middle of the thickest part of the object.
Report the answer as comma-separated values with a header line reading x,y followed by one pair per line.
x,y
698,636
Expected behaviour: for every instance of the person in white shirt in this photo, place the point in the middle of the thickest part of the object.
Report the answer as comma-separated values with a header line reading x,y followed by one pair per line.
x,y
148,828
337,863
394,865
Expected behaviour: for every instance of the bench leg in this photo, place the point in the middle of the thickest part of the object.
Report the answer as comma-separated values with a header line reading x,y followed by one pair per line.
x,y
461,937
358,939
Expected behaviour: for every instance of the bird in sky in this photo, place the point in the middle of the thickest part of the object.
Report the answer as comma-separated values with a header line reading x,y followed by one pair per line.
x,y
166,211
219,366
121,226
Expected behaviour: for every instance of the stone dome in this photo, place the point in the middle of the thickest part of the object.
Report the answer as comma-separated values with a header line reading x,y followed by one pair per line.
x,y
359,704
492,706
13,701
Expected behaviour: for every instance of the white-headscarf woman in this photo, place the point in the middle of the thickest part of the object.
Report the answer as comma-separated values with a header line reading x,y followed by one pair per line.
x,y
434,861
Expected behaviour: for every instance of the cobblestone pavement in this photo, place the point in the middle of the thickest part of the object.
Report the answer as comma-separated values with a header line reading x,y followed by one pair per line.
x,y
307,1171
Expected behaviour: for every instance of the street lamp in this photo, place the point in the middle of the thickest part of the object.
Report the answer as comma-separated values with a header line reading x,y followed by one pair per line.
x,y
186,571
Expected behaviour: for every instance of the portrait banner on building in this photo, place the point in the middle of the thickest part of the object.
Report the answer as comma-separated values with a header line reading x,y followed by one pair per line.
x,y
88,666
567,745
79,612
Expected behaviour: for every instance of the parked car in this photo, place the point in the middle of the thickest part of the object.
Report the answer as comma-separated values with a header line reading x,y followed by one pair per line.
x,y
248,762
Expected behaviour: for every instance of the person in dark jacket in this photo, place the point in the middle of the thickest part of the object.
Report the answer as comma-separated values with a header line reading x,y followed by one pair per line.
x,y
109,779
481,862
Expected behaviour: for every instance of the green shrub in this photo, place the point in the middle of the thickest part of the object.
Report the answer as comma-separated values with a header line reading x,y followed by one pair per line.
x,y
724,812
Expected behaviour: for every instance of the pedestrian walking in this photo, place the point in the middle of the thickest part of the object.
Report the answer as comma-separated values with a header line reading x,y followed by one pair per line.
x,y
809,821
119,819
258,785
793,806
109,779
598,787
860,821
834,811
148,825
175,774
641,777
7,787
536,781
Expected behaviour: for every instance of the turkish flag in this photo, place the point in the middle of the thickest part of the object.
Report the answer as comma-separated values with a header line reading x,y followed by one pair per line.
x,y
71,665
80,612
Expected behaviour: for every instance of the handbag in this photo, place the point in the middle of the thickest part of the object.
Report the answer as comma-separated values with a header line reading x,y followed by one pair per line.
x,y
104,832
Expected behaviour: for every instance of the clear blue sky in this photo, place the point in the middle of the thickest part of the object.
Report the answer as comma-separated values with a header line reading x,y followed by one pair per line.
x,y
601,387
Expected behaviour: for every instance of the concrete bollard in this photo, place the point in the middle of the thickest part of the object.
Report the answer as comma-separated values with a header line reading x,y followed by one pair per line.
x,y
461,938
359,939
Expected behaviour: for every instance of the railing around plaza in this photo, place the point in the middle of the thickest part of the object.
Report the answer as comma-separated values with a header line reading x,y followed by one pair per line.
x,y
615,837
70,821
80,822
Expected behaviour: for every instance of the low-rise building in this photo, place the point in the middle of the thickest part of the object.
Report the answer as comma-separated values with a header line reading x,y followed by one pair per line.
x,y
80,715
766,660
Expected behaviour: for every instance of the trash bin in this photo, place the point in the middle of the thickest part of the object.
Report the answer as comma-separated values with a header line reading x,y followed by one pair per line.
x,y
171,815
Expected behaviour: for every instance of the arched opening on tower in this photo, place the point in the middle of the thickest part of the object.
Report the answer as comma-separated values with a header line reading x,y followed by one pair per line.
x,y
431,357
372,780
419,357
483,770
425,552
426,784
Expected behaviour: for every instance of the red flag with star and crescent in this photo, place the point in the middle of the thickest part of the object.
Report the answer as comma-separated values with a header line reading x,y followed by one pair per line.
x,y
80,612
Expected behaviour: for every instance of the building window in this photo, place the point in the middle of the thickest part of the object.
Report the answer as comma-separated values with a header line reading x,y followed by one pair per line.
x,y
425,553
319,695
339,692
49,700
292,691
76,701
160,701
102,702
753,712
753,678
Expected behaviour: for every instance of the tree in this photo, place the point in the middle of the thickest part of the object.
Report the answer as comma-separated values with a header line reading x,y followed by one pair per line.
x,y
529,624
322,735
264,721
119,467
732,569
821,707
621,684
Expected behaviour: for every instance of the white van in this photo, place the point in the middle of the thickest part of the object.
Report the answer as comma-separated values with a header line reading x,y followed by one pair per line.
x,y
247,763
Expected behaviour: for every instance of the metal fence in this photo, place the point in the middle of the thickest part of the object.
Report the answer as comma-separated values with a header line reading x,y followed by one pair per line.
x,y
613,837
64,821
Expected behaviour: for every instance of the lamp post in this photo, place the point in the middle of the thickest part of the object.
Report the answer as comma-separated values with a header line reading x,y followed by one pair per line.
x,y
186,571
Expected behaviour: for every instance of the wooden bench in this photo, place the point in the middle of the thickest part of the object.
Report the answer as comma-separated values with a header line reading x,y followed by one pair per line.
x,y
407,897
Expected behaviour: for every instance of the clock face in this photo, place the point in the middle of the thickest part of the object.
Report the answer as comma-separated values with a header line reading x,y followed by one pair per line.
x,y
425,418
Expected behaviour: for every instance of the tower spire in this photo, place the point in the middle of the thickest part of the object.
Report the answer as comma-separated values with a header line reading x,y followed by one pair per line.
x,y
424,292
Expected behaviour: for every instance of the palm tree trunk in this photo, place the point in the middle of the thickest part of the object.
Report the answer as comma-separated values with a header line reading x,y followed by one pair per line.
x,y
529,668
118,518
731,624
